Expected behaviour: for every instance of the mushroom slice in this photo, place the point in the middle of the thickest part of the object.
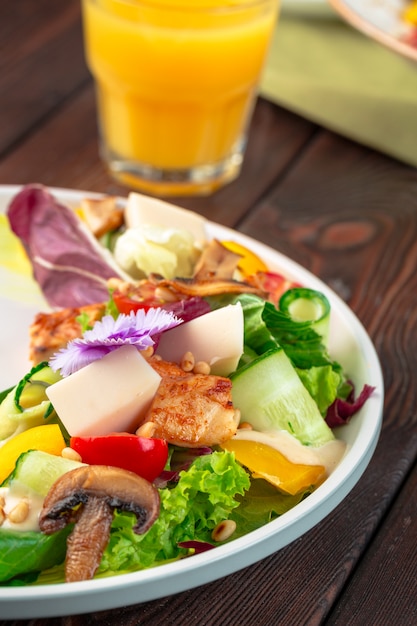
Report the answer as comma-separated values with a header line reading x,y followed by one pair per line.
x,y
87,496
208,287
216,261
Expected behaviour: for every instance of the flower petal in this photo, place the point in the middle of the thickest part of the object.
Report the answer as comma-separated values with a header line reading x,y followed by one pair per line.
x,y
109,334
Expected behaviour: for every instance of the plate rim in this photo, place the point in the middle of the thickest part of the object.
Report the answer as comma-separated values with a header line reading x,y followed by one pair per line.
x,y
368,28
52,600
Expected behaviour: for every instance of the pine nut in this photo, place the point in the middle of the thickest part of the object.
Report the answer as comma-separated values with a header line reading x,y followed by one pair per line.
x,y
2,516
146,430
223,530
202,367
71,455
162,293
120,285
187,362
147,352
245,426
2,501
19,513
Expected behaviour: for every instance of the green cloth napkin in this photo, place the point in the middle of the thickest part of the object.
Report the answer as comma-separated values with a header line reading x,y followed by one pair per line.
x,y
333,75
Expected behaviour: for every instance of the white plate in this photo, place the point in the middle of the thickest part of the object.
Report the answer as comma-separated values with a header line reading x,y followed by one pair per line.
x,y
382,20
306,8
350,345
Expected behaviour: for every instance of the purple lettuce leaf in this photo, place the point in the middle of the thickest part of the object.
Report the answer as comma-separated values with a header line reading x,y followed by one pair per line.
x,y
340,412
181,460
188,309
68,263
198,546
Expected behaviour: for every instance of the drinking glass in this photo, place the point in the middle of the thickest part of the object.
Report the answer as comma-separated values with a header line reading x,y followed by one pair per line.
x,y
176,84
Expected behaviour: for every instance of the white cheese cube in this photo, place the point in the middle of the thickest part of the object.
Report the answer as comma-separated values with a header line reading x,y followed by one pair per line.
x,y
111,394
216,337
142,209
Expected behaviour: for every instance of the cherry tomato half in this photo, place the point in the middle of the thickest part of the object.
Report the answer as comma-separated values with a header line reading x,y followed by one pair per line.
x,y
143,455
137,297
274,284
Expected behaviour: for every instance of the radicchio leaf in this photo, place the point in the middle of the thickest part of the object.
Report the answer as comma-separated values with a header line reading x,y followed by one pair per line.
x,y
188,309
198,547
181,460
340,412
68,263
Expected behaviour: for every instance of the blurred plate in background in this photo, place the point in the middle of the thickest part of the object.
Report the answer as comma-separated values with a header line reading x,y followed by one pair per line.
x,y
382,20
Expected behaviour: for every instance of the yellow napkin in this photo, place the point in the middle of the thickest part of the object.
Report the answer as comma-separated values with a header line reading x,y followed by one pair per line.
x,y
333,75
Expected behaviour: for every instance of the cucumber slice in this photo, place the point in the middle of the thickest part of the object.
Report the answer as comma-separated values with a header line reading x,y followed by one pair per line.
x,y
307,305
35,471
271,397
26,405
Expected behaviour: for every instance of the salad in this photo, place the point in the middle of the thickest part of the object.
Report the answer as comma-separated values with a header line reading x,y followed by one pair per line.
x,y
238,394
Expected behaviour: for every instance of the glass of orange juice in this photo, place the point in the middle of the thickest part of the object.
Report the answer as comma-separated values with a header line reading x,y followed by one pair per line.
x,y
176,84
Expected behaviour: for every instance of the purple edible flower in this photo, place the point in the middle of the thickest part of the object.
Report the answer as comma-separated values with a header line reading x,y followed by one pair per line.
x,y
135,329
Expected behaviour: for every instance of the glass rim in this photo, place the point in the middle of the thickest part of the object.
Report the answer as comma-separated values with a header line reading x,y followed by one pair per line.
x,y
204,6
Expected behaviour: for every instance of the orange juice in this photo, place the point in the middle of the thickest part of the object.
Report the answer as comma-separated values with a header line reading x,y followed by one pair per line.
x,y
176,82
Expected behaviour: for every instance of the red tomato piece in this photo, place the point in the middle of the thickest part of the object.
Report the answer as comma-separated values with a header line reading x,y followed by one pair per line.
x,y
274,284
140,297
142,455
125,305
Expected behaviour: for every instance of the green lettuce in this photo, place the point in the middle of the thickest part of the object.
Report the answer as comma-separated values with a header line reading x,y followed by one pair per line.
x,y
266,328
24,554
204,496
262,504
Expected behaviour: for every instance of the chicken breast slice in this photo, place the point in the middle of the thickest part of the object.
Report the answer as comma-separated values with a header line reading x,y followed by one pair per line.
x,y
193,410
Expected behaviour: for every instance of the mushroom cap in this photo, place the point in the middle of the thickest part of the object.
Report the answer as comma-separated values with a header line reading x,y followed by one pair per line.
x,y
119,488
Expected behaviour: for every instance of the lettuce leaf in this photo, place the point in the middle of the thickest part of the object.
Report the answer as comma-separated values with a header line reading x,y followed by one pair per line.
x,y
204,495
322,383
262,504
266,327
26,553
68,263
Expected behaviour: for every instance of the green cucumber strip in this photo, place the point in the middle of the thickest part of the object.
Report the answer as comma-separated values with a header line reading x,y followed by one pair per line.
x,y
270,396
307,305
36,471
30,391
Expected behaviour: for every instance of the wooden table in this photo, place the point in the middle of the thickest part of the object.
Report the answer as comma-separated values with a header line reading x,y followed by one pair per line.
x,y
348,214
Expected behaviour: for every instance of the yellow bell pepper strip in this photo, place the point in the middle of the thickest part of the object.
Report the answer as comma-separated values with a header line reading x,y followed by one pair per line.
x,y
250,263
47,437
266,462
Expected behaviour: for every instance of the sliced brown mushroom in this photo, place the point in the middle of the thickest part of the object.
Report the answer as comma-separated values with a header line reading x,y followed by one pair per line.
x,y
87,496
207,287
216,261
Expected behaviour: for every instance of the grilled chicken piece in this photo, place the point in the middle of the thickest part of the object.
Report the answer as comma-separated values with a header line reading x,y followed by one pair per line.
x,y
52,331
192,410
166,369
102,215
